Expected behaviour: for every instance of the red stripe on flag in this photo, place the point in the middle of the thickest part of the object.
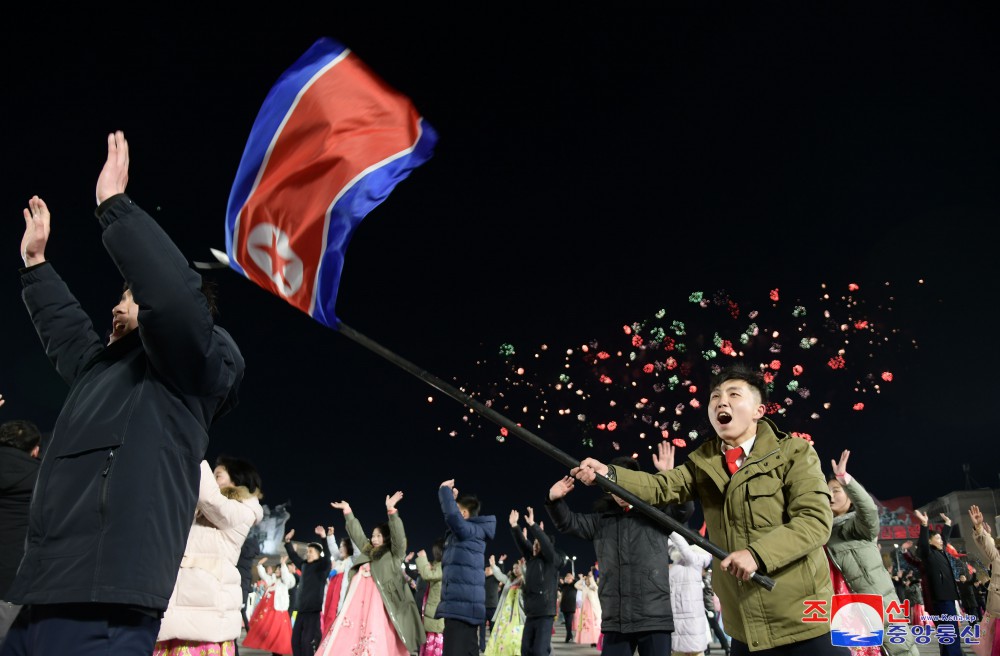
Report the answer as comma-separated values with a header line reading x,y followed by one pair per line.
x,y
347,121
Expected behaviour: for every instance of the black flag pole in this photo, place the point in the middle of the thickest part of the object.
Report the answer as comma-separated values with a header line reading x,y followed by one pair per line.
x,y
543,446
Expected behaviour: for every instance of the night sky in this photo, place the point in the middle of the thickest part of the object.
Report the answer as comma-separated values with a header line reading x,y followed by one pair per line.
x,y
592,169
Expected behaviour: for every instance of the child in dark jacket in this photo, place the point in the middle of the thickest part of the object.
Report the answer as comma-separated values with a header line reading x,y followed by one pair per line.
x,y
463,588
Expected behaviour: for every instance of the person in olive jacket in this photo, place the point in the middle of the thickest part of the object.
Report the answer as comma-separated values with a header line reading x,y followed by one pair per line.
x,y
431,573
380,561
853,547
119,482
765,502
541,581
634,587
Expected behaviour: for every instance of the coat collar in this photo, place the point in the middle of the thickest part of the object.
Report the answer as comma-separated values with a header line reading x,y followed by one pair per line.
x,y
708,457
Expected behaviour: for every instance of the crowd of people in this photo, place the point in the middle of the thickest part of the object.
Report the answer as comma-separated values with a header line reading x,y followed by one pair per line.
x,y
124,480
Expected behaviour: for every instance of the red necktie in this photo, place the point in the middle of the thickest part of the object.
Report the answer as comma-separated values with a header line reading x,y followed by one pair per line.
x,y
732,455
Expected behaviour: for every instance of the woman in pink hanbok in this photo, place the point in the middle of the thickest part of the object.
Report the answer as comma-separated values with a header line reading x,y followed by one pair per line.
x,y
380,615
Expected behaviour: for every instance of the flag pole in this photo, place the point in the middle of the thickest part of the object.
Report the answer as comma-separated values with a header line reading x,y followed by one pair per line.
x,y
527,436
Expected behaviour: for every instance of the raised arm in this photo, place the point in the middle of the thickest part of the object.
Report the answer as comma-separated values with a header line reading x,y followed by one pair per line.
x,y
424,567
515,531
565,520
223,512
982,538
866,524
65,330
548,550
175,322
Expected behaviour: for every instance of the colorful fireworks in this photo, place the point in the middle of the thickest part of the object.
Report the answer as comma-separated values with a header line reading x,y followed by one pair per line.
x,y
647,381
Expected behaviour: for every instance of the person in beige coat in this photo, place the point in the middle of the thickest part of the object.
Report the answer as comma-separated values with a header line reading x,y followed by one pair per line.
x,y
204,609
989,640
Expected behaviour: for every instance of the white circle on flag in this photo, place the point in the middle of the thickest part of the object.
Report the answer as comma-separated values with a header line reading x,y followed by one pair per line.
x,y
269,249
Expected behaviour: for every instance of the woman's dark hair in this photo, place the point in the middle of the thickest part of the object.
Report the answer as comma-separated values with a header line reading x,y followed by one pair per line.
x,y
386,542
241,472
740,371
347,546
437,550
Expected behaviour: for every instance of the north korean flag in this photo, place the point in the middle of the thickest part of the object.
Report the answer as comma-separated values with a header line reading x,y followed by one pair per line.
x,y
329,144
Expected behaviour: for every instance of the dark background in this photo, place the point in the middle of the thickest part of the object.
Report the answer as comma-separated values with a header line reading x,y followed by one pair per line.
x,y
593,167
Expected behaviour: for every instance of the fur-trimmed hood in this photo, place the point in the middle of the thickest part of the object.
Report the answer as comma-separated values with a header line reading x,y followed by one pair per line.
x,y
237,492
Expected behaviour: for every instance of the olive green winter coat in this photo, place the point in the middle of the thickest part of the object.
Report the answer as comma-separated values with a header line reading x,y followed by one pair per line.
x,y
431,573
387,571
777,505
853,548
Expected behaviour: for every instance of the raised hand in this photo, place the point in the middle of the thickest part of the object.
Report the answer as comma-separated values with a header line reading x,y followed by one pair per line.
x,y
947,520
290,535
409,557
920,516
422,553
840,468
262,560
663,460
529,517
114,176
329,531
514,516
320,531
342,505
392,500
561,488
284,559
36,231
976,516
493,560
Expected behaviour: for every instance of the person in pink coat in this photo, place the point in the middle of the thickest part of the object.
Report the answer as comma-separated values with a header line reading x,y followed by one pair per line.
x,y
203,615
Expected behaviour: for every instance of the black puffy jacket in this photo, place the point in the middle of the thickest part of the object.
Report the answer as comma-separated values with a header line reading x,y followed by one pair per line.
x,y
541,573
118,484
634,586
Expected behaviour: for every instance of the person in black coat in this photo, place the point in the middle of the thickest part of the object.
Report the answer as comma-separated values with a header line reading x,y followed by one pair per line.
x,y
315,568
567,603
122,468
541,579
20,444
634,587
940,578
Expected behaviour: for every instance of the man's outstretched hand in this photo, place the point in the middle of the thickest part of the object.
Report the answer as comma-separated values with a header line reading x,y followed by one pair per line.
x,y
114,176
36,232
